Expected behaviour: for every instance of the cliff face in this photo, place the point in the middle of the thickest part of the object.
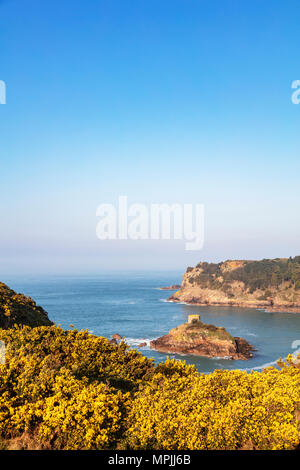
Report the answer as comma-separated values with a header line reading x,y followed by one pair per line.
x,y
19,309
200,339
266,284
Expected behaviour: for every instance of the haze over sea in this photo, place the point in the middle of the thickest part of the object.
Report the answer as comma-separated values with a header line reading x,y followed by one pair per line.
x,y
133,305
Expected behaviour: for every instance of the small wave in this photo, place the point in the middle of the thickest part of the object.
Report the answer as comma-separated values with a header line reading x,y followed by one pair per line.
x,y
264,366
151,288
241,331
120,302
173,302
136,341
180,303
218,358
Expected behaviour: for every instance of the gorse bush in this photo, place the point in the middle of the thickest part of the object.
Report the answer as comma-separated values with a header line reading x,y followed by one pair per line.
x,y
71,387
73,390
19,309
222,410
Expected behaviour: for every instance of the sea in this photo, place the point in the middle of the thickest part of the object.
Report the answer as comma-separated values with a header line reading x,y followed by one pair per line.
x,y
133,305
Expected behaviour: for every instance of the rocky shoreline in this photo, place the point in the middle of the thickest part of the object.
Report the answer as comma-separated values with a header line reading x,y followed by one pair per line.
x,y
269,284
256,305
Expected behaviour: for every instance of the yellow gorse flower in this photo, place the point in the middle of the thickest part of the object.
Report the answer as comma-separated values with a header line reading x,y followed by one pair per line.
x,y
73,390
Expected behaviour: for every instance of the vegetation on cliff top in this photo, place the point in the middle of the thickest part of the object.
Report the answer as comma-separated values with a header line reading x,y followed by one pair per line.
x,y
19,309
255,274
188,330
72,390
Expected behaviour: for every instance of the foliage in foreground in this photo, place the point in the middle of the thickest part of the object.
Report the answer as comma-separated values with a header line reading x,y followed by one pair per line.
x,y
19,309
72,390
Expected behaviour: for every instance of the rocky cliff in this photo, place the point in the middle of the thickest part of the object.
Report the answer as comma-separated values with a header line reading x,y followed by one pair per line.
x,y
271,284
200,339
19,309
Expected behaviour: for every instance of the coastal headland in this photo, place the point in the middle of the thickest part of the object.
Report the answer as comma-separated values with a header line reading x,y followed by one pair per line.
x,y
271,284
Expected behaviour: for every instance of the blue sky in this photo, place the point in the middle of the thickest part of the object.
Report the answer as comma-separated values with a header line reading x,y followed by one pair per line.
x,y
163,101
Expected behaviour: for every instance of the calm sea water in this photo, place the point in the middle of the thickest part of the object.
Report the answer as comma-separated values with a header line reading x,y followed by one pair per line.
x,y
133,306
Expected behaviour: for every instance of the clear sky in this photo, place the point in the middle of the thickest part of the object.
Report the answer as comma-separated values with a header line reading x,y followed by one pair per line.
x,y
162,101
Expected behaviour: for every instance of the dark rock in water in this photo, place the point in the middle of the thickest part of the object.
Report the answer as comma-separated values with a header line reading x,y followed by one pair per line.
x,y
117,337
199,339
21,310
243,347
142,345
173,287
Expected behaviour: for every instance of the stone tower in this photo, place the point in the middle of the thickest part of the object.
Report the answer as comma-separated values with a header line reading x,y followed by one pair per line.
x,y
193,317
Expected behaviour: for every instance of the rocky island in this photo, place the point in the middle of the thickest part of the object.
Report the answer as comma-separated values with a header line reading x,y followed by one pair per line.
x,y
273,284
200,339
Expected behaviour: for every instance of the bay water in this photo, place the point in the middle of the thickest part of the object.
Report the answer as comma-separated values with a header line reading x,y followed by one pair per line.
x,y
132,305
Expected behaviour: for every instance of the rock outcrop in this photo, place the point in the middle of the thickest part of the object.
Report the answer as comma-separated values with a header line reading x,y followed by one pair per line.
x,y
19,309
173,287
200,339
117,337
270,284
